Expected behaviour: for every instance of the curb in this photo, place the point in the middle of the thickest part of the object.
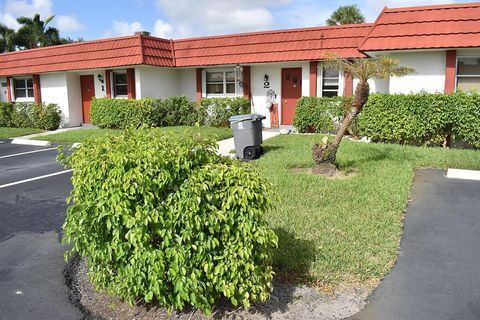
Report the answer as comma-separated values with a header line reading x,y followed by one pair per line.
x,y
27,142
463,174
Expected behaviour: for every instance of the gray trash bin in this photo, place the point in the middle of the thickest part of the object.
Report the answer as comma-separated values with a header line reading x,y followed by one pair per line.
x,y
247,134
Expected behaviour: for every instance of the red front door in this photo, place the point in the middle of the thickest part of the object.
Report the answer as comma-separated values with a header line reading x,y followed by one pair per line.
x,y
88,92
291,92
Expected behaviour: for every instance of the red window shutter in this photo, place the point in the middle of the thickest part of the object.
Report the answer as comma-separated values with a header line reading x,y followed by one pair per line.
x,y
131,83
198,94
108,84
9,89
37,93
348,86
450,71
247,86
313,78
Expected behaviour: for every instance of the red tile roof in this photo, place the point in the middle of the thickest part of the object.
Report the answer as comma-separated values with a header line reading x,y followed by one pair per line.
x,y
271,46
426,27
105,53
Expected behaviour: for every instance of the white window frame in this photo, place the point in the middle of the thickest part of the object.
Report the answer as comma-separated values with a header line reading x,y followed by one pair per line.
x,y
114,88
224,94
465,75
322,78
27,98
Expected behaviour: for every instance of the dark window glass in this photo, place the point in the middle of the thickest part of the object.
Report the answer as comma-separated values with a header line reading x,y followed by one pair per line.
x,y
120,83
330,83
23,88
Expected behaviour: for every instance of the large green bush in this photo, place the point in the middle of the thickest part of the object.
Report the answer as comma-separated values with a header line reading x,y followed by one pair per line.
x,y
30,115
320,114
464,117
215,112
175,111
122,113
168,219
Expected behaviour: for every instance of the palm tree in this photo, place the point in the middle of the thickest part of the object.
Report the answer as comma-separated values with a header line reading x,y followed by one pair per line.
x,y
35,33
7,38
346,15
363,70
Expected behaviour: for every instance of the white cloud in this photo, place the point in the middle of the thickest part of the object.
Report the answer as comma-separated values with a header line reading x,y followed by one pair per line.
x,y
26,8
123,28
162,29
68,24
219,16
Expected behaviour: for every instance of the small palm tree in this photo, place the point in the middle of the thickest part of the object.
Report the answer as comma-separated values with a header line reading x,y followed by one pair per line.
x,y
363,70
346,15
35,33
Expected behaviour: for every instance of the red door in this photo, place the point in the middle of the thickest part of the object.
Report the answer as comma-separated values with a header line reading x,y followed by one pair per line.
x,y
88,92
291,92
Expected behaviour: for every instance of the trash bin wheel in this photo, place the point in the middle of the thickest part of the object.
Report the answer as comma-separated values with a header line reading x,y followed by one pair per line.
x,y
250,153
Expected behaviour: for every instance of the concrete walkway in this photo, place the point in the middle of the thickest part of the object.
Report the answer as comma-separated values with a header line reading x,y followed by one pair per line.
x,y
227,145
437,275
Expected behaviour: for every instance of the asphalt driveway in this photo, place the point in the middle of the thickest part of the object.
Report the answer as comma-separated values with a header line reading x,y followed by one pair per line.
x,y
33,188
437,275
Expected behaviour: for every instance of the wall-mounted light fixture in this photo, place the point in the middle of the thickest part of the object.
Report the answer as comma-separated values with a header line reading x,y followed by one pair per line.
x,y
4,84
100,78
266,78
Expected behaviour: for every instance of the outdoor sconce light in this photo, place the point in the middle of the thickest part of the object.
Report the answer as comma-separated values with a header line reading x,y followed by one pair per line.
x,y
100,78
265,78
4,84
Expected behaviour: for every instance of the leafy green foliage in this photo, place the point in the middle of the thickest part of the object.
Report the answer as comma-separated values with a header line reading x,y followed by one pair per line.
x,y
422,119
349,14
30,115
215,112
321,115
166,218
173,111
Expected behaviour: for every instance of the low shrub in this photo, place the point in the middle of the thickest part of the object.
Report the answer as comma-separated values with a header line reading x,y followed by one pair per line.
x,y
122,113
30,115
215,112
464,117
167,219
175,111
321,114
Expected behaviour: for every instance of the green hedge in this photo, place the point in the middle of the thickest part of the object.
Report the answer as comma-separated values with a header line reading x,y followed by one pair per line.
x,y
319,114
422,119
30,115
174,111
215,112
168,219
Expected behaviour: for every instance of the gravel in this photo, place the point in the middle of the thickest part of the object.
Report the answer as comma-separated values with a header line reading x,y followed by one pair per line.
x,y
287,301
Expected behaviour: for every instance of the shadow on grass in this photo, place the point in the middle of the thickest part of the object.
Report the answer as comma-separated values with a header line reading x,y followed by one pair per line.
x,y
270,148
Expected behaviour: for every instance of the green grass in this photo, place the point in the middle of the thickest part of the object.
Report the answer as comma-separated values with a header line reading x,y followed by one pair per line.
x,y
17,132
334,231
83,134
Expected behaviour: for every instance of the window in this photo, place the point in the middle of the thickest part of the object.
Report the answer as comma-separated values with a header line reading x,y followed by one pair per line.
x,y
330,83
468,74
23,88
120,84
220,82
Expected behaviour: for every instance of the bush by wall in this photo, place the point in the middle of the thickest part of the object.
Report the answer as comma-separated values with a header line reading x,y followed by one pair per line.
x,y
464,117
122,113
175,111
170,220
320,114
30,115
215,112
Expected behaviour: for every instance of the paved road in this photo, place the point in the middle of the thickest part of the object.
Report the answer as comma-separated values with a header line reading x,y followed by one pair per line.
x,y
437,275
31,214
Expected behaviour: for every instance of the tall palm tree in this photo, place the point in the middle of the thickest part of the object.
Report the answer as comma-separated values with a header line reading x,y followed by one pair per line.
x,y
350,14
363,70
7,38
35,32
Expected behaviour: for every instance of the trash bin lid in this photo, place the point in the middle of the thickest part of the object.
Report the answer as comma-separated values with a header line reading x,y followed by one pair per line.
x,y
246,117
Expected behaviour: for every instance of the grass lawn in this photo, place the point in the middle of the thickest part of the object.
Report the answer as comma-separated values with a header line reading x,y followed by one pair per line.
x,y
17,132
334,231
81,135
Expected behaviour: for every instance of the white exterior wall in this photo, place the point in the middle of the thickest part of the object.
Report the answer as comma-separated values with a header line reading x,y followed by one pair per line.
x,y
54,90
376,85
188,83
75,112
429,76
157,82
3,90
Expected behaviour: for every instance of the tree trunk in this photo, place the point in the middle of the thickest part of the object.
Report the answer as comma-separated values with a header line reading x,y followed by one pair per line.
x,y
328,153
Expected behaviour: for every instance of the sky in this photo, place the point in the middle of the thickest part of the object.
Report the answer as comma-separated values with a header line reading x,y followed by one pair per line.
x,y
94,19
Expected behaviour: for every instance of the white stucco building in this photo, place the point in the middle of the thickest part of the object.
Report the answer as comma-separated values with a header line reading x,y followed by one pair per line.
x,y
442,43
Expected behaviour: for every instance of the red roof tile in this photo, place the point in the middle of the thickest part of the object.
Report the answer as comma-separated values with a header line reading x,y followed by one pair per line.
x,y
271,46
426,27
105,53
